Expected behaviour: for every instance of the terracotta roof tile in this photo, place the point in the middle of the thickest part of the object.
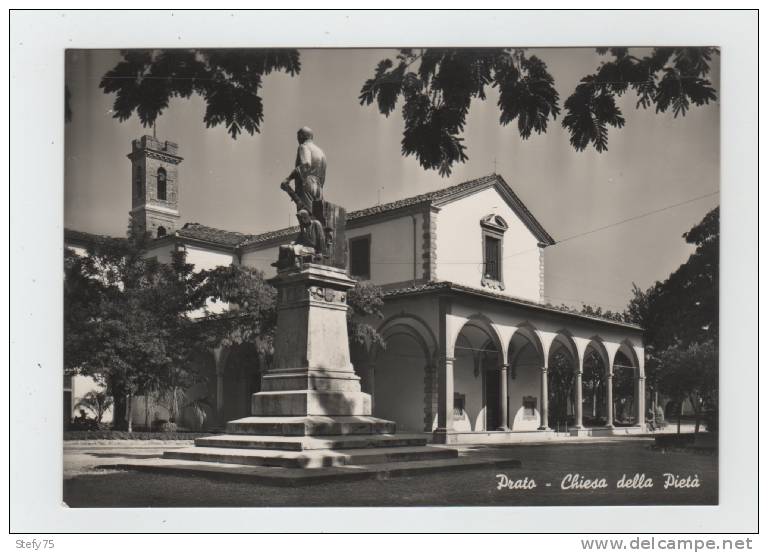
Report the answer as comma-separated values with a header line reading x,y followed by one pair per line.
x,y
196,231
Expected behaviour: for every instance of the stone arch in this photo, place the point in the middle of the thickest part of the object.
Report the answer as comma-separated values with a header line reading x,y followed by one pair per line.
x,y
564,339
414,324
401,377
478,359
563,362
482,323
596,344
525,358
531,334
627,350
626,371
594,383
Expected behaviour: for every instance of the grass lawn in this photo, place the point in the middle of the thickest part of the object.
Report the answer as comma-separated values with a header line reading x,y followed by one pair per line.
x,y
544,464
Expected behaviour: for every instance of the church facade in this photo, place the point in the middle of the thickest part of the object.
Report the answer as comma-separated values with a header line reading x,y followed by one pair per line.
x,y
472,346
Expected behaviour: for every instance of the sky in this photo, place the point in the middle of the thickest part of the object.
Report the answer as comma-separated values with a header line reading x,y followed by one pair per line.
x,y
654,162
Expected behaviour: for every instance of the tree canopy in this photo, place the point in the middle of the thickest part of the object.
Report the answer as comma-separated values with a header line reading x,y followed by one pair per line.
x,y
229,80
127,318
680,317
135,325
436,87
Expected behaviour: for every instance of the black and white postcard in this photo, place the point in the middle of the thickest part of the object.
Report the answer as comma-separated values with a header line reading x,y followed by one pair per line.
x,y
421,275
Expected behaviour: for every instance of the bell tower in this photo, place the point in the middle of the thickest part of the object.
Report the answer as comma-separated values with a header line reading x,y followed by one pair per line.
x,y
155,185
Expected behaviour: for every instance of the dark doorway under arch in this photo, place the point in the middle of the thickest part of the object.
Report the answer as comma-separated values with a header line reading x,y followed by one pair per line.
x,y
242,379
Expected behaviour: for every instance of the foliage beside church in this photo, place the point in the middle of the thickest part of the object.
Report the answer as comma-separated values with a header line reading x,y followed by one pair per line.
x,y
131,322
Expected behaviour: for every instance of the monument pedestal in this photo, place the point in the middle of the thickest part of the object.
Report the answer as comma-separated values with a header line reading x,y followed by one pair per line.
x,y
311,411
312,373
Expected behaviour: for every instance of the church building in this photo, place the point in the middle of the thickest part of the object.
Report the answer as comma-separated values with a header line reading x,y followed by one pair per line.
x,y
471,342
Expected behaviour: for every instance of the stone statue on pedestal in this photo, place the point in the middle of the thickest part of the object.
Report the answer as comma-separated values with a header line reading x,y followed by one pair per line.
x,y
313,211
309,246
308,175
311,411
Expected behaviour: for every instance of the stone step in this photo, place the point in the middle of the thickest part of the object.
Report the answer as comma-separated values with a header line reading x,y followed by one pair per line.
x,y
272,476
312,425
312,458
304,443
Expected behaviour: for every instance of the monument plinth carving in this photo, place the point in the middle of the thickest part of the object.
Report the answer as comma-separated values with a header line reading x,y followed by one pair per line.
x,y
312,372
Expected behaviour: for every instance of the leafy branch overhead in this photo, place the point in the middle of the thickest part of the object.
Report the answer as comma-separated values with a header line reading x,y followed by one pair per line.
x,y
438,85
435,86
228,80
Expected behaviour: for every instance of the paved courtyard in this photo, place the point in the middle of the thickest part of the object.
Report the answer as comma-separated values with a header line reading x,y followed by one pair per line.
x,y
579,467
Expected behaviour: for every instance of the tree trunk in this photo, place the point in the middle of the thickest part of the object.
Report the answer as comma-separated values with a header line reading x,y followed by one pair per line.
x,y
129,411
697,411
118,406
174,415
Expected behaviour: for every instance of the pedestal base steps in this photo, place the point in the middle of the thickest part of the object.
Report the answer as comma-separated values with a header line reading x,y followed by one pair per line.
x,y
311,441
600,431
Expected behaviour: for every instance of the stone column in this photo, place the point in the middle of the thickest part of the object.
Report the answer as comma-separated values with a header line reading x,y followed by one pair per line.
x,y
431,393
609,401
503,398
578,401
445,396
544,400
640,401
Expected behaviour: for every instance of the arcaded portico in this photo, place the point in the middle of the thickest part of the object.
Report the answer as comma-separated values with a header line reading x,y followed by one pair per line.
x,y
471,365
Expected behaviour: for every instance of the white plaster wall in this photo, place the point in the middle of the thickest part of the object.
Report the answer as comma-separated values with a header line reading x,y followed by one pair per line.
x,y
399,384
79,250
139,412
81,385
392,249
204,259
460,245
261,260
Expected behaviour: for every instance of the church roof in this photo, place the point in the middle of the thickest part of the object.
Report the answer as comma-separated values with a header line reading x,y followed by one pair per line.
x,y
233,240
443,286
436,197
85,239
228,238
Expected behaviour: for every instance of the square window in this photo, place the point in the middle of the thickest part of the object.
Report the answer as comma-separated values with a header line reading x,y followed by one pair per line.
x,y
360,257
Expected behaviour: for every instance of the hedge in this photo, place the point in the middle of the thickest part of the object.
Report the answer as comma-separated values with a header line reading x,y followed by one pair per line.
x,y
123,435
